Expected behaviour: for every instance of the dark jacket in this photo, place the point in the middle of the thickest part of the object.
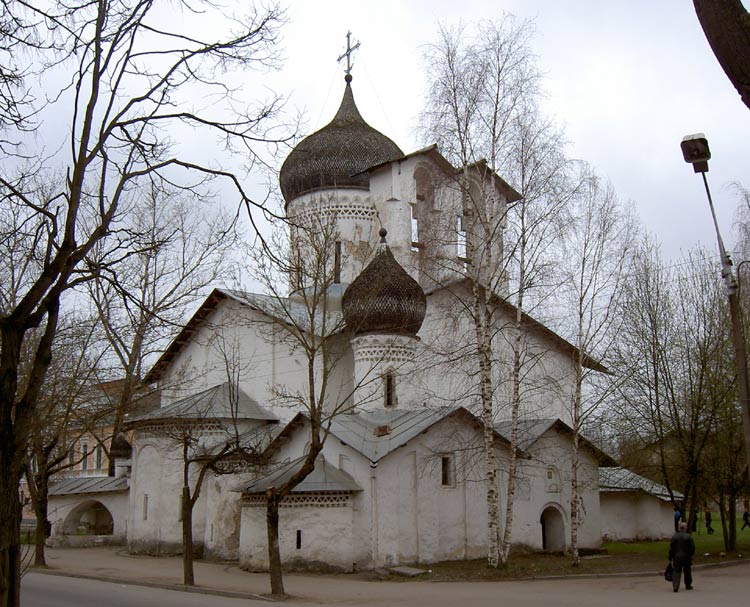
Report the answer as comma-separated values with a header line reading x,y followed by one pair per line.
x,y
682,547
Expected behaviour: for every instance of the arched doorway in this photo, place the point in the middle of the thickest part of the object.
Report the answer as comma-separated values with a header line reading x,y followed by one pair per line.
x,y
89,518
553,529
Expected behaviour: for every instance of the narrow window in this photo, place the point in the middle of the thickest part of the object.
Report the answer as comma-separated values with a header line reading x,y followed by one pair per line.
x,y
461,238
415,245
447,471
71,456
299,539
145,506
85,455
390,390
99,457
337,262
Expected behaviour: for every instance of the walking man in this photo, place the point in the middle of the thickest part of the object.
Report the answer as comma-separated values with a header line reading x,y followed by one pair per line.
x,y
681,550
745,519
707,519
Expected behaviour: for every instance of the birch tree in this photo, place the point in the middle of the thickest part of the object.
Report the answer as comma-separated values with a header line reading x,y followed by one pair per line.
x,y
596,262
129,75
482,111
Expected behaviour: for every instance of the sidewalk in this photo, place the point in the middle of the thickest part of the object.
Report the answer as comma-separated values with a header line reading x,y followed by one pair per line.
x,y
116,565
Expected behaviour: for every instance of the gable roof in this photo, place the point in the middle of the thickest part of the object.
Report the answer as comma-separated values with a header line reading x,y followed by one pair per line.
x,y
278,308
375,434
616,479
90,484
534,325
214,403
324,477
531,430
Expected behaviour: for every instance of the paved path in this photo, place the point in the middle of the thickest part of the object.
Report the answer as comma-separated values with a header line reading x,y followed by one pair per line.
x,y
727,585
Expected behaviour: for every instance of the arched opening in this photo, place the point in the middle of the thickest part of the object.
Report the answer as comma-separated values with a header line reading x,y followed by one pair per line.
x,y
89,518
553,530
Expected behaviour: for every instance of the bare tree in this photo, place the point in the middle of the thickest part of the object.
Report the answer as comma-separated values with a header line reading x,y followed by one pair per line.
x,y
673,353
482,110
596,262
70,407
132,76
307,320
180,250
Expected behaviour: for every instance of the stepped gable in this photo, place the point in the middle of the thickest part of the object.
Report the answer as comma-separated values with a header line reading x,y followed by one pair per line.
x,y
336,155
384,298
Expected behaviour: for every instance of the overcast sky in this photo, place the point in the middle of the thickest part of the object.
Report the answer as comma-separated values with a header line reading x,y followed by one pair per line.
x,y
627,80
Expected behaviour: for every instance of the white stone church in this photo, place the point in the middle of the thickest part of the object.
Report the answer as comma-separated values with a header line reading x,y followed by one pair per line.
x,y
400,478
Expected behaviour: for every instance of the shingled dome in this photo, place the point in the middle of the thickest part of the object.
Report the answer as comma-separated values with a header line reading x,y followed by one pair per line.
x,y
384,298
336,155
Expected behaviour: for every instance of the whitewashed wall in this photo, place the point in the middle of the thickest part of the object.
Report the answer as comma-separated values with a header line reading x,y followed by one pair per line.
x,y
635,515
62,506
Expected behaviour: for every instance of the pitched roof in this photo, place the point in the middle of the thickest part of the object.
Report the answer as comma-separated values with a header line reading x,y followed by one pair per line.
x,y
376,434
279,308
617,480
214,403
324,477
529,321
531,430
90,484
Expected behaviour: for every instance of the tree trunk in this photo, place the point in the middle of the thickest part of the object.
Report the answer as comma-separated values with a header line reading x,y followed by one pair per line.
x,y
513,466
732,536
484,355
10,536
274,555
43,526
188,577
726,24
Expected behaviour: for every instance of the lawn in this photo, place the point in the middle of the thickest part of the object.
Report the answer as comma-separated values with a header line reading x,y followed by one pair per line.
x,y
615,557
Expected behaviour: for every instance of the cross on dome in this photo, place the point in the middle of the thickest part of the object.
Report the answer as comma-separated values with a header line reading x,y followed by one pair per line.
x,y
348,54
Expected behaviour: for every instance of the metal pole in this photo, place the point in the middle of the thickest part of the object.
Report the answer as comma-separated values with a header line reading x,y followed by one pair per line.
x,y
740,355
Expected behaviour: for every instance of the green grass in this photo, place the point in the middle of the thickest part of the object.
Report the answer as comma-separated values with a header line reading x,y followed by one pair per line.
x,y
616,557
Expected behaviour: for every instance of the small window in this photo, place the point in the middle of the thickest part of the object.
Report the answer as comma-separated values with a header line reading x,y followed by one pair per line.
x,y
85,456
99,457
299,539
461,238
390,390
145,506
447,471
415,244
337,262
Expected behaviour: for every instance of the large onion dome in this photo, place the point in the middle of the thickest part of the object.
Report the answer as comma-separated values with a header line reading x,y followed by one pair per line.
x,y
384,298
336,155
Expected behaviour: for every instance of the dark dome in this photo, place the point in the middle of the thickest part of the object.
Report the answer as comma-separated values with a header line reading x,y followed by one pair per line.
x,y
384,298
335,155
120,448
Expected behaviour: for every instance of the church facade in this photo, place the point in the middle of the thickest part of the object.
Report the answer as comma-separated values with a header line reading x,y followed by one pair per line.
x,y
400,479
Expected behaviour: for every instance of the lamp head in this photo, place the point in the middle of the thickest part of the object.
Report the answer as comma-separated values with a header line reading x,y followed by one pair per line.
x,y
695,151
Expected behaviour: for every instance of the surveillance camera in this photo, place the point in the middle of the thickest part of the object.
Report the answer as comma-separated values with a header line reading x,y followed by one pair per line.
x,y
695,150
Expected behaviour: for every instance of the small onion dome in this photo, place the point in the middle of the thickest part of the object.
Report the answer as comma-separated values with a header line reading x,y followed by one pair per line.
x,y
336,155
384,298
120,448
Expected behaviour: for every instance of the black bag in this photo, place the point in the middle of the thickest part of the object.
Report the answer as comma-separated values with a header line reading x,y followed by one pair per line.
x,y
668,572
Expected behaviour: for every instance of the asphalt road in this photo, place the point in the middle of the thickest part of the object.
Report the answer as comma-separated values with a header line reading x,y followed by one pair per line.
x,y
717,586
40,590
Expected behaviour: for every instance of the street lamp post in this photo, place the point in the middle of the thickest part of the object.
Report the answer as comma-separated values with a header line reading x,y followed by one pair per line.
x,y
696,152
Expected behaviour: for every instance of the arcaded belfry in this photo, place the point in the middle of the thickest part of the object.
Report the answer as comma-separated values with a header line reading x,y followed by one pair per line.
x,y
384,309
